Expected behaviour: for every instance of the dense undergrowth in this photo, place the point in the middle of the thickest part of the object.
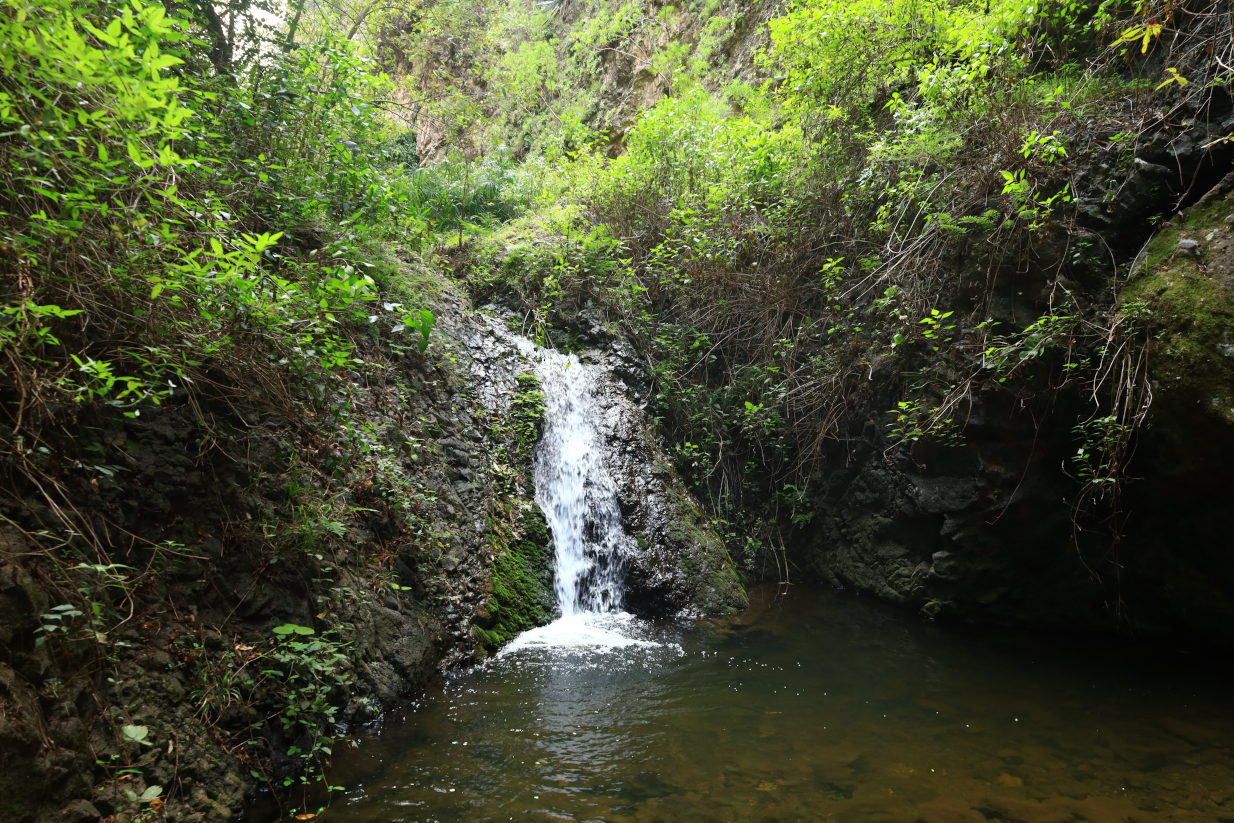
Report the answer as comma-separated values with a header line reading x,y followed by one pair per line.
x,y
859,229
225,221
888,211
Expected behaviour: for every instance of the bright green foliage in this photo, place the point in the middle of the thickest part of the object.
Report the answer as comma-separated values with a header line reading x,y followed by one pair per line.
x,y
1007,354
688,150
455,192
174,220
309,673
147,214
837,55
530,78
1101,441
914,421
835,237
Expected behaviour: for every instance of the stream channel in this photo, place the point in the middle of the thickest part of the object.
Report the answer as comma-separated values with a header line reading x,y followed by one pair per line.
x,y
812,705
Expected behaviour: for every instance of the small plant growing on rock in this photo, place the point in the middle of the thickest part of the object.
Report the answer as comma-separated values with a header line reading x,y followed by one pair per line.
x,y
310,669
527,413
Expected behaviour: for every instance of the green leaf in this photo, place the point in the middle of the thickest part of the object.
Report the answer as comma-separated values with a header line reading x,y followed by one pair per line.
x,y
150,793
137,734
292,628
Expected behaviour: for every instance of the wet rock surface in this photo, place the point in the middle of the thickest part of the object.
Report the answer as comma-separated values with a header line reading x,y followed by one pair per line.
x,y
674,561
426,561
978,530
262,522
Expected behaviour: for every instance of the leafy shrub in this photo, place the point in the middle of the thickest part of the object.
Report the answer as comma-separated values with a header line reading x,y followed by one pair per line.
x,y
150,215
456,191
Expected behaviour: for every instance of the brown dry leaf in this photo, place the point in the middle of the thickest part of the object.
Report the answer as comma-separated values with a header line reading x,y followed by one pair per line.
x,y
306,816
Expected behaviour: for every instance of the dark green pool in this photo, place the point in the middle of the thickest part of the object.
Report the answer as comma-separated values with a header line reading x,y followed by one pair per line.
x,y
812,706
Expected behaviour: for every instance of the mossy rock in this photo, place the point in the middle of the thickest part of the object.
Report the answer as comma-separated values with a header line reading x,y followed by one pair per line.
x,y
527,414
522,580
710,573
1185,280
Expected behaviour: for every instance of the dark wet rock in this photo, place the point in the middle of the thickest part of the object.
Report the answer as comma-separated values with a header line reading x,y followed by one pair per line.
x,y
985,530
677,563
674,561
77,811
235,568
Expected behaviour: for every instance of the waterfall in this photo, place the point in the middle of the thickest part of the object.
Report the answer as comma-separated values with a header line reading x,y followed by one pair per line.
x,y
578,495
575,490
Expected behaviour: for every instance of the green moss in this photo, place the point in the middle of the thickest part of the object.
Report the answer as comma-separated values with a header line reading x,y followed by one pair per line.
x,y
517,257
1190,305
527,414
522,578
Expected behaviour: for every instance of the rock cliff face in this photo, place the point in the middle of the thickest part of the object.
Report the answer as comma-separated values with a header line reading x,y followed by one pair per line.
x,y
675,562
605,64
402,534
987,530
979,530
234,520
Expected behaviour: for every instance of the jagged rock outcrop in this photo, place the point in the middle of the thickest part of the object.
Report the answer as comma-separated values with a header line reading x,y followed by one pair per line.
x,y
377,526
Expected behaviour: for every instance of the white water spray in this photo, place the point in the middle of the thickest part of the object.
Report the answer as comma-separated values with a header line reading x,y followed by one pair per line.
x,y
578,496
575,490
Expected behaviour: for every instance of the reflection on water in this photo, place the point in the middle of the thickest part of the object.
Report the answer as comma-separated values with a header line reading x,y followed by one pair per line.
x,y
814,706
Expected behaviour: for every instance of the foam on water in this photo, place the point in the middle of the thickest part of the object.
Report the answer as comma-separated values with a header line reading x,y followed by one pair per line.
x,y
587,631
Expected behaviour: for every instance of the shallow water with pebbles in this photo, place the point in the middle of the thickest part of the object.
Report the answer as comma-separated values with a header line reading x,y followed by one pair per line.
x,y
815,705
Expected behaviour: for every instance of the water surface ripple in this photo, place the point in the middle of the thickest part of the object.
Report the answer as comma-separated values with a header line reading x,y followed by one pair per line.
x,y
813,706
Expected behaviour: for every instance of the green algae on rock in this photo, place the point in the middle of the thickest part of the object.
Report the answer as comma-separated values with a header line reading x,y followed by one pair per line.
x,y
521,579
527,414
1185,280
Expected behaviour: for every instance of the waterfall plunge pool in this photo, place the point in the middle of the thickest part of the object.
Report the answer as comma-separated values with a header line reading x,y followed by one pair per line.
x,y
816,705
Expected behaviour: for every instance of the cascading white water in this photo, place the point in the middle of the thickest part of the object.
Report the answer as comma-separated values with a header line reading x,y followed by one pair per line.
x,y
579,499
575,491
